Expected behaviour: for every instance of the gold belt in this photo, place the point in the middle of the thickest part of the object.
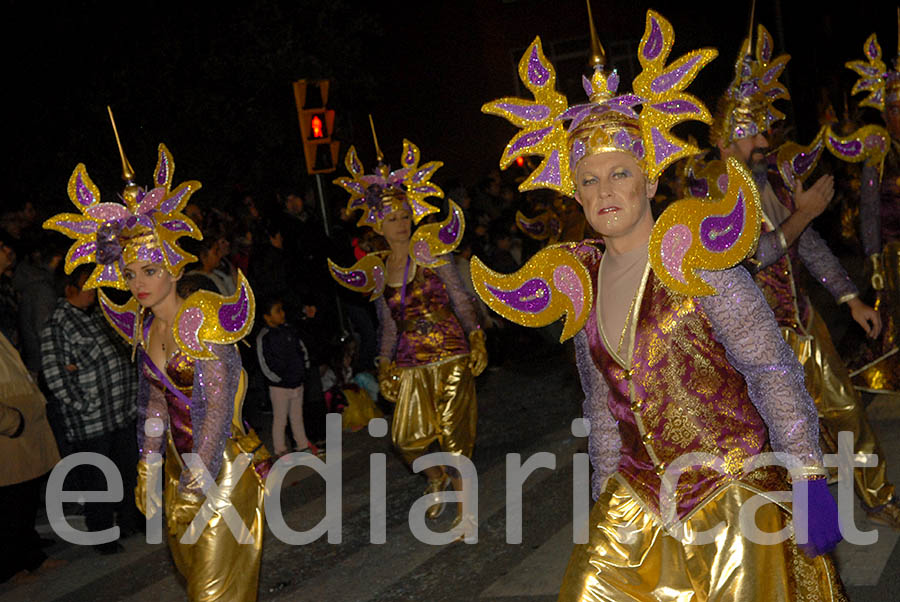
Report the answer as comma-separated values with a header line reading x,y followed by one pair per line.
x,y
431,317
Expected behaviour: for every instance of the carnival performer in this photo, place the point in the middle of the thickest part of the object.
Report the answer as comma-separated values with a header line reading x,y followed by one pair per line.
x,y
191,381
431,347
684,371
876,368
789,245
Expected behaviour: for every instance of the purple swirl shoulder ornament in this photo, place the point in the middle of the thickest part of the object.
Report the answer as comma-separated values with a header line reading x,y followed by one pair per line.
x,y
365,276
431,243
695,234
208,318
123,318
553,284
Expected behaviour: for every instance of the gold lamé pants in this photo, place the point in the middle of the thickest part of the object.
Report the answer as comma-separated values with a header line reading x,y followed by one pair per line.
x,y
436,404
883,374
629,557
839,407
217,567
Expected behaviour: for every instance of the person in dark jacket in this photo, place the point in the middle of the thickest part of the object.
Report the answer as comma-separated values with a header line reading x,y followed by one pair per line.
x,y
284,362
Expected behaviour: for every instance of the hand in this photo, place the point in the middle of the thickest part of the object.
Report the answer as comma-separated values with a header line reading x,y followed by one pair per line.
x,y
389,380
478,356
813,202
140,491
865,316
182,513
823,525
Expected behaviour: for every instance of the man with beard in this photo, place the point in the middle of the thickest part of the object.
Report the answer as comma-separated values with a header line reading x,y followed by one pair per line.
x,y
787,245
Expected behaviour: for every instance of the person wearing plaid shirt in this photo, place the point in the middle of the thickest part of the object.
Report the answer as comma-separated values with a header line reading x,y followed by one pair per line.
x,y
89,374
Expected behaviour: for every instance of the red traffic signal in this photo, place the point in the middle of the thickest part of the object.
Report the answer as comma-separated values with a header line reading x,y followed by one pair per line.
x,y
316,125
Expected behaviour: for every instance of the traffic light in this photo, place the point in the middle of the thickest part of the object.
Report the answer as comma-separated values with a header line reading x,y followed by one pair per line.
x,y
316,125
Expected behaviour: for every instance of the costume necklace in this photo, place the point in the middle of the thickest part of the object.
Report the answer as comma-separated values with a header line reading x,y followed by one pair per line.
x,y
628,320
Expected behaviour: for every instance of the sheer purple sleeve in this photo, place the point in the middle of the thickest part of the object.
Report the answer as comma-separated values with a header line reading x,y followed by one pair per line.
x,y
870,210
152,417
387,329
745,325
463,306
604,442
212,408
770,248
825,267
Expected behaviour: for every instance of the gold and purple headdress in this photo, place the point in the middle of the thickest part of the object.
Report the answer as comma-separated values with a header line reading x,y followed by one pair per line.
x,y
882,84
689,236
385,191
608,122
147,228
748,106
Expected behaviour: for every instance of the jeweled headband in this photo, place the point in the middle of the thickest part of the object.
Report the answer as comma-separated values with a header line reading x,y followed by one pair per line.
x,y
747,108
145,228
607,122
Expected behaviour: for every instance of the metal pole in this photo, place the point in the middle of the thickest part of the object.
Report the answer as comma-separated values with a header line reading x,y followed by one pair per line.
x,y
340,308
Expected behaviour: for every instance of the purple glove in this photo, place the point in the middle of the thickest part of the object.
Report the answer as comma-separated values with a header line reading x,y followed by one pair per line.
x,y
823,525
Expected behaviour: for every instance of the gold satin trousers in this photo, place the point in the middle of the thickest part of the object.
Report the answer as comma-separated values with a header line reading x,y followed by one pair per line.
x,y
629,557
839,407
217,567
436,404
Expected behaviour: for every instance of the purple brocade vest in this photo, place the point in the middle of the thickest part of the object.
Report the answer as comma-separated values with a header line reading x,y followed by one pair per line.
x,y
784,292
681,395
427,329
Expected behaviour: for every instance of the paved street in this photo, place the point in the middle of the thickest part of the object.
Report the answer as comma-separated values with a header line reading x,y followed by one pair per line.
x,y
524,409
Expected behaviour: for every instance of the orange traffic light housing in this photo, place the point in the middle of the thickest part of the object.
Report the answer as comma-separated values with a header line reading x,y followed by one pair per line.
x,y
316,125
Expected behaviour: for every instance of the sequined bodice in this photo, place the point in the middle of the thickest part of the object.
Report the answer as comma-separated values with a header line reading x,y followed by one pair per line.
x,y
429,330
180,372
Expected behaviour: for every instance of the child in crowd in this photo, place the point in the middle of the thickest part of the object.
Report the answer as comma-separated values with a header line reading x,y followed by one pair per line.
x,y
284,361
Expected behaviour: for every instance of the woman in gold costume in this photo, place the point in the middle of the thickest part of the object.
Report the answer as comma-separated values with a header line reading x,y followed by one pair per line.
x,y
431,346
191,381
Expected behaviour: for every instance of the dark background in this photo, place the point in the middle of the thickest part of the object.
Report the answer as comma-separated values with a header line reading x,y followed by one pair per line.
x,y
213,81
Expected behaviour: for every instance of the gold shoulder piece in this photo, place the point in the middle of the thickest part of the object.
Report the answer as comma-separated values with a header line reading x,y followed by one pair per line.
x,y
553,283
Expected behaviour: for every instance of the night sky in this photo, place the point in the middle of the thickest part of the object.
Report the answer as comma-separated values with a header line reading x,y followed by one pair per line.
x,y
213,81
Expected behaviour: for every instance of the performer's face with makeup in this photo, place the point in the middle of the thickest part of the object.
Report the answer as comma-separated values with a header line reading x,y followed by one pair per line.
x,y
396,226
150,283
614,193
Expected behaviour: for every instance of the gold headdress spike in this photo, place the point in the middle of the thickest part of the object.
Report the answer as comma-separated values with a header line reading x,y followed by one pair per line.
x,y
378,153
598,55
127,171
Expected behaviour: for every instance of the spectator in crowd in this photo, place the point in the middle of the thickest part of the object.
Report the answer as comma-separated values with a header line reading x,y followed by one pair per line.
x,y
28,452
210,252
35,282
87,369
268,264
284,362
9,305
